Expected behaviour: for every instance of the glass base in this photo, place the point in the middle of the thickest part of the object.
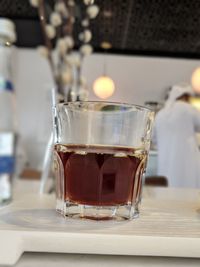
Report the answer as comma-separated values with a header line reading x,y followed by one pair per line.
x,y
78,211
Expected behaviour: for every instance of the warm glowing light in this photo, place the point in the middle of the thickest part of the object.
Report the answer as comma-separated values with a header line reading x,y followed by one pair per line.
x,y
104,87
195,80
106,45
195,101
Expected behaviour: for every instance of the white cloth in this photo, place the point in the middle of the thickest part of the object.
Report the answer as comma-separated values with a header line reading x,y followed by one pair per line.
x,y
178,152
176,92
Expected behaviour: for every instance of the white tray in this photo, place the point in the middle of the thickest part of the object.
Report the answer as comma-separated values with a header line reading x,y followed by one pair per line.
x,y
169,225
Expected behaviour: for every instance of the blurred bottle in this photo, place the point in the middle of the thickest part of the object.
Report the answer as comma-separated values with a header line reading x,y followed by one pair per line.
x,y
7,113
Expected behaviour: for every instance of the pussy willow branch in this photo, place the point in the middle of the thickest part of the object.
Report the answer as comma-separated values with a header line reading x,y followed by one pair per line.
x,y
68,27
79,69
60,60
43,22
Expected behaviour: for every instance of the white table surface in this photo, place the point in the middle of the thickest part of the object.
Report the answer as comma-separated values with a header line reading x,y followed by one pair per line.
x,y
67,260
76,260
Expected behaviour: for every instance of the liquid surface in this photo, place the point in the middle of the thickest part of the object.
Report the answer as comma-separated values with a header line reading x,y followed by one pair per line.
x,y
98,175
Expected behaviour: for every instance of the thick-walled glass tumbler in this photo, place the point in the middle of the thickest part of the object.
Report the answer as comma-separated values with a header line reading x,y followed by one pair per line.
x,y
100,157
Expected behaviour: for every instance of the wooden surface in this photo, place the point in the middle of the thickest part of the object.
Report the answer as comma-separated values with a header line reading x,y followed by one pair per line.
x,y
169,225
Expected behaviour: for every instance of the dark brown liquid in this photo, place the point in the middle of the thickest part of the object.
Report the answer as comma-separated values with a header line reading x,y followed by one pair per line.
x,y
98,175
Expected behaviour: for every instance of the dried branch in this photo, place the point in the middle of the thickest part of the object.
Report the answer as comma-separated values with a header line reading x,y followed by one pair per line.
x,y
59,25
48,44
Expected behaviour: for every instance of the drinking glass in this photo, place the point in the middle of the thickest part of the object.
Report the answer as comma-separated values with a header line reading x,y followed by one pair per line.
x,y
100,157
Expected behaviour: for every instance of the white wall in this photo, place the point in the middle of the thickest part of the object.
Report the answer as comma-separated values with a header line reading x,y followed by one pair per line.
x,y
137,79
32,83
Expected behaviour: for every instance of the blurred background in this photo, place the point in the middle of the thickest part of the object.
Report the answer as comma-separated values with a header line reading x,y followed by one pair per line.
x,y
145,47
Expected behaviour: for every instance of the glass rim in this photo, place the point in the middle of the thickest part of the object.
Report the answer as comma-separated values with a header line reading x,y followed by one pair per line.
x,y
72,104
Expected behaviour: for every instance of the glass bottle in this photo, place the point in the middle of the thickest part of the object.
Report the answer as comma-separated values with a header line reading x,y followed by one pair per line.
x,y
7,114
